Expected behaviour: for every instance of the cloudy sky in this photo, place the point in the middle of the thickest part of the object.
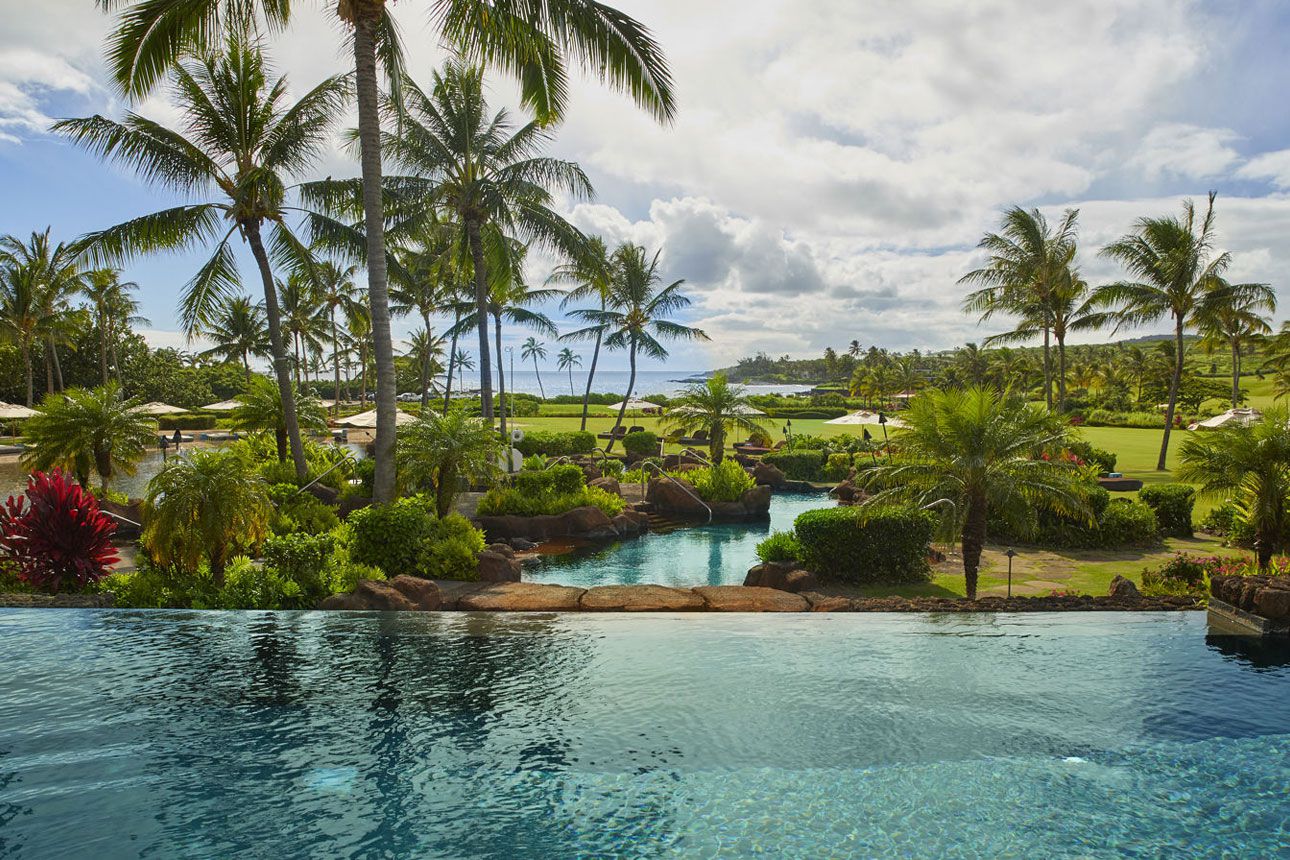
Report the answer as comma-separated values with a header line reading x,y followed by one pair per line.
x,y
833,162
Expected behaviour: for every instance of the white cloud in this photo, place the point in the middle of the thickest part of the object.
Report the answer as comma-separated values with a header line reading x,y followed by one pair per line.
x,y
1187,151
1272,166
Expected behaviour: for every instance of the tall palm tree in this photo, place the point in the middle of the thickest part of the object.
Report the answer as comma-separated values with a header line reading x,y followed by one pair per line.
x,y
426,349
422,284
238,330
590,273
853,349
239,137
1177,275
113,308
23,320
1252,463
637,314
88,429
1027,263
972,451
532,350
567,359
336,292
464,362
204,506
53,277
714,406
1234,319
302,317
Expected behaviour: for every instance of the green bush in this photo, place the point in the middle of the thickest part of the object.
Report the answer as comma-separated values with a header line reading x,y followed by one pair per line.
x,y
1184,574
155,587
1173,506
301,559
1128,523
1102,459
275,472
724,482
838,466
798,465
807,412
564,478
343,575
867,544
1107,418
642,443
190,421
780,546
612,468
297,511
247,586
557,444
510,501
406,538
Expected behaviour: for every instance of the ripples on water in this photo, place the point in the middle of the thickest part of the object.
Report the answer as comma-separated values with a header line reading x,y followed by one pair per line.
x,y
193,734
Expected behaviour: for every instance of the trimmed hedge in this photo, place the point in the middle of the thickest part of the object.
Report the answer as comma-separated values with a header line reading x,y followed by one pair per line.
x,y
1118,523
190,421
806,412
798,465
1173,505
866,544
551,443
406,537
642,443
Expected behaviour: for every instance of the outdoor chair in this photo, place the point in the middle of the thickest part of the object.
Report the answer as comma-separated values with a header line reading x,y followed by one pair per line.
x,y
700,437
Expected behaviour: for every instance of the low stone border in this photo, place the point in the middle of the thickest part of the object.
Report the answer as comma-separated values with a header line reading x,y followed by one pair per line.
x,y
57,601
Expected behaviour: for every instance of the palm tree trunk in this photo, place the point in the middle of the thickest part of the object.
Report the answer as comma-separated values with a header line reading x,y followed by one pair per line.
x,y
280,358
335,360
116,360
501,377
571,391
591,374
425,367
1061,372
26,363
246,365
49,372
1048,371
369,136
716,442
452,363
1174,382
58,367
103,348
362,373
1236,373
973,541
481,310
631,385
538,373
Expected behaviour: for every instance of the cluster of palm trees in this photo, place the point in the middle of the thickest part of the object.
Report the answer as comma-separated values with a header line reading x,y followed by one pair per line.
x,y
1174,272
243,147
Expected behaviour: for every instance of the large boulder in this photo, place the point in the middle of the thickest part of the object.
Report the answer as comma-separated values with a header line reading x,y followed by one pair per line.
x,y
783,575
631,523
589,522
756,502
423,594
639,598
522,597
497,566
827,602
742,598
323,493
1123,589
379,596
675,496
767,475
128,518
609,485
1273,603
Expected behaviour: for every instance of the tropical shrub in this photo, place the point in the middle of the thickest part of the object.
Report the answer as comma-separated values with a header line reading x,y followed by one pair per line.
x,y
559,479
1183,574
1104,460
780,546
249,586
798,465
407,538
299,511
301,559
838,466
436,452
724,482
511,501
1128,523
867,543
642,443
343,575
83,430
612,468
155,586
1173,506
807,412
55,535
557,444
1107,418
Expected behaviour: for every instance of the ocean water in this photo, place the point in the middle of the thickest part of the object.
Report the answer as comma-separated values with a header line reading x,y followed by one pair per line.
x,y
441,735
647,382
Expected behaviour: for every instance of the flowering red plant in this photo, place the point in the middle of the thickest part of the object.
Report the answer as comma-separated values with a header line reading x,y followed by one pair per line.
x,y
56,534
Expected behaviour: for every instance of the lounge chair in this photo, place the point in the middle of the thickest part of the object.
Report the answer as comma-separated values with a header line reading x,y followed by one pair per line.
x,y
617,433
700,437
635,428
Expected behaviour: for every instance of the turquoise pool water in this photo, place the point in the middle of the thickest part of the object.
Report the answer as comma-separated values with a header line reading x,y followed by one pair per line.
x,y
312,735
704,555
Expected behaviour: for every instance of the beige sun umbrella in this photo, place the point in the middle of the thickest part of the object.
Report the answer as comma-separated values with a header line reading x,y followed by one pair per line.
x,y
156,407
1230,418
866,417
14,412
738,410
367,420
635,405
222,406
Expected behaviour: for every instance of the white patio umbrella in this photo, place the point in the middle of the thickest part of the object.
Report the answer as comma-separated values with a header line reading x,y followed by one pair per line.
x,y
222,406
156,407
1232,417
635,404
738,410
865,417
14,412
367,420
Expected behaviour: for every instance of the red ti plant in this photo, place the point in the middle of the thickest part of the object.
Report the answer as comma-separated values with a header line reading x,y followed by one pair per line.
x,y
56,534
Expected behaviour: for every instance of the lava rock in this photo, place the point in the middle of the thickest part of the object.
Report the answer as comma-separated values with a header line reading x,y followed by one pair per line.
x,y
1123,588
522,597
742,598
498,567
639,598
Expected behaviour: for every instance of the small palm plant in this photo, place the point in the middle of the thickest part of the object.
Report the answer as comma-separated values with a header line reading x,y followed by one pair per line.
x,y
439,449
1251,463
714,406
204,507
84,430
973,451
260,409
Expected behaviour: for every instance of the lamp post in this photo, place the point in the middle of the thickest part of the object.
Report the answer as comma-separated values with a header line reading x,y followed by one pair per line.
x,y
788,431
1011,553
886,443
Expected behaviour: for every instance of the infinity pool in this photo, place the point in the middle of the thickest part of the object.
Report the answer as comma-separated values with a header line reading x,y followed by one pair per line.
x,y
312,735
703,555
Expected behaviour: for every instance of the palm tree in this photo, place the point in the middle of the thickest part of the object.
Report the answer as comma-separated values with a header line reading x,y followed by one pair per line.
x,y
714,406
113,307
532,349
88,429
567,359
421,287
241,137
303,319
853,349
52,276
238,330
488,177
439,449
530,41
1177,277
426,350
972,451
1251,462
23,320
590,273
464,361
260,408
1234,319
336,292
1137,363
204,506
1028,262
637,314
